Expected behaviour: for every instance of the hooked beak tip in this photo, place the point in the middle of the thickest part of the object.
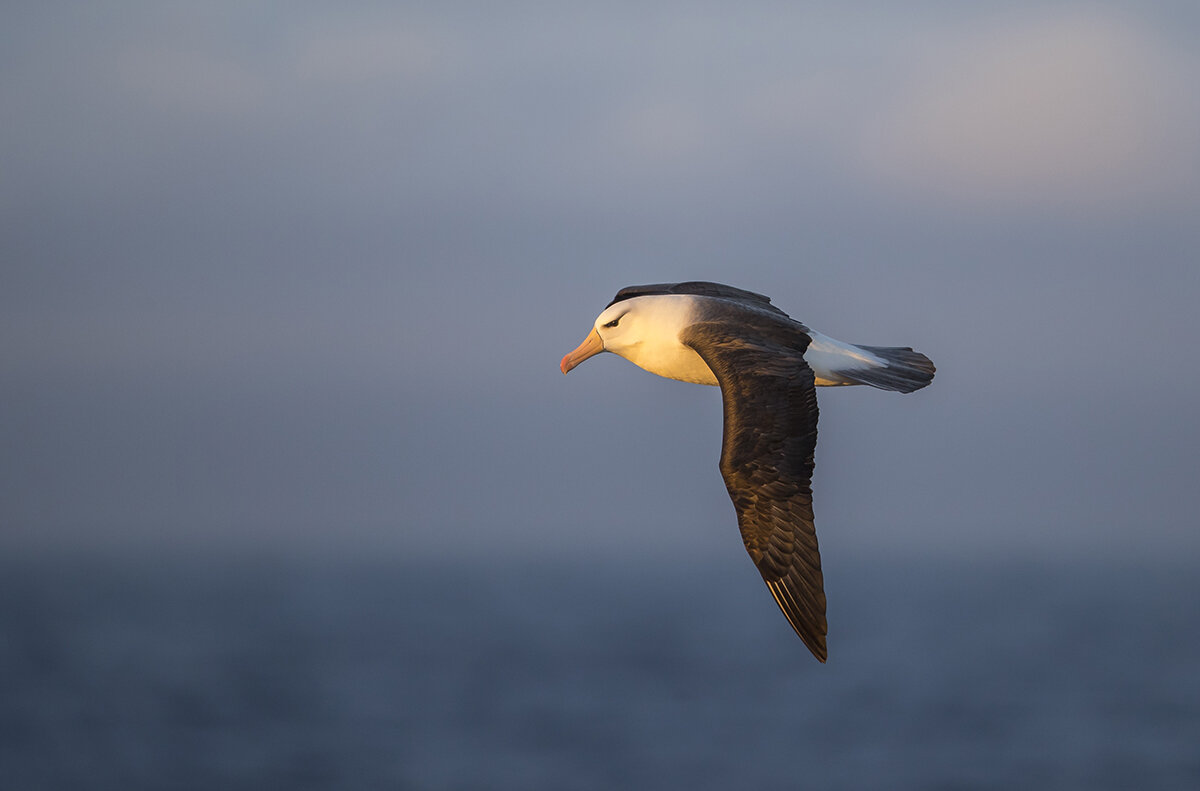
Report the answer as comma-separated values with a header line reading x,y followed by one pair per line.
x,y
591,346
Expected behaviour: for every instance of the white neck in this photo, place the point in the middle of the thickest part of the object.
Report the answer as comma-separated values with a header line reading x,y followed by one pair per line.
x,y
661,318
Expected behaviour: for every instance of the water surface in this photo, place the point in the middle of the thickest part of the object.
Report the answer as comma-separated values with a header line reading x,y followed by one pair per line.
x,y
594,675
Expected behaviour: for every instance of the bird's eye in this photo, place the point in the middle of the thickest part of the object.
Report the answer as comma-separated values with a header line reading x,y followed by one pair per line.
x,y
612,323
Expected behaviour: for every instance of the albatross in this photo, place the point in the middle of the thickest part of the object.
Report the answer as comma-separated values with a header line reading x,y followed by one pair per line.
x,y
768,366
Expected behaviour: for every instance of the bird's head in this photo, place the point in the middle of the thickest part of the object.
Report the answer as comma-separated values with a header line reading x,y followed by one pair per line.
x,y
618,329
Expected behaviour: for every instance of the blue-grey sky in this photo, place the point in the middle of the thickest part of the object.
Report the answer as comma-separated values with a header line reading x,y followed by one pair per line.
x,y
298,276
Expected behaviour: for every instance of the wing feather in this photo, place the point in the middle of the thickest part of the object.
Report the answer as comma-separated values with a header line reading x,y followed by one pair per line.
x,y
770,435
700,288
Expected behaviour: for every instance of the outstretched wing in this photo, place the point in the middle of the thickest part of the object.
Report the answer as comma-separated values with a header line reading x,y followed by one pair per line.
x,y
770,435
701,288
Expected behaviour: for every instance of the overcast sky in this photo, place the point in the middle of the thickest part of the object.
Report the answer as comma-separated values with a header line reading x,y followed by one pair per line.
x,y
281,276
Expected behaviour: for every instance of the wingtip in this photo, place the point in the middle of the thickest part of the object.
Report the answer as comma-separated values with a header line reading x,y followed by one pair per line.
x,y
811,630
817,648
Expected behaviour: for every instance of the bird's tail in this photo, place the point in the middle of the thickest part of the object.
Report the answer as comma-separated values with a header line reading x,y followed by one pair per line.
x,y
904,372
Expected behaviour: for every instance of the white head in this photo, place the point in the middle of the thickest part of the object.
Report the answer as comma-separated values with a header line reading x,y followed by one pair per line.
x,y
645,331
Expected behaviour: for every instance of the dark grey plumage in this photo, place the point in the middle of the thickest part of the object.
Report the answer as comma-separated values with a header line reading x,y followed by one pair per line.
x,y
770,435
700,288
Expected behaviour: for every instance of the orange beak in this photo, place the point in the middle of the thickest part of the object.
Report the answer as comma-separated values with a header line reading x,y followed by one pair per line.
x,y
591,346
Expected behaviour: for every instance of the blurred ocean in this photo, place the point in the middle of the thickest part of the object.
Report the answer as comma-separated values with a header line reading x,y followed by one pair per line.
x,y
358,675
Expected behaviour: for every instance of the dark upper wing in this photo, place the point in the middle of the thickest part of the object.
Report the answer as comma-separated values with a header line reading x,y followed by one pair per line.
x,y
700,288
770,434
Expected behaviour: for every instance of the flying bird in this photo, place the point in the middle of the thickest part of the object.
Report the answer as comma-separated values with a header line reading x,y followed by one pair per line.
x,y
768,366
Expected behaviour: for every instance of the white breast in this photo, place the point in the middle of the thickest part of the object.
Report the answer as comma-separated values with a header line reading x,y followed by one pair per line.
x,y
674,362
